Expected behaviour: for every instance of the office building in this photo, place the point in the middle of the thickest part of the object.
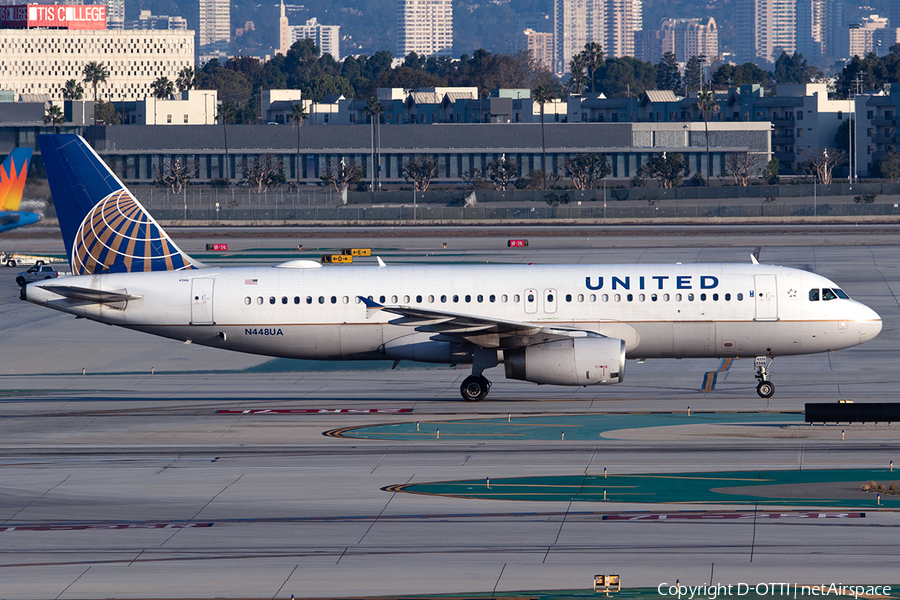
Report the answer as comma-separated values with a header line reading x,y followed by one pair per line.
x,y
764,29
425,27
214,29
578,22
326,37
693,37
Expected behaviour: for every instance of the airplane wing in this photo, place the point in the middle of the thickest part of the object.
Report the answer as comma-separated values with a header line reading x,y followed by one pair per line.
x,y
482,331
90,295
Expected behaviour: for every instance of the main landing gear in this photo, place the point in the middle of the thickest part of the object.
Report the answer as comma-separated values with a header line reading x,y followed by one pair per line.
x,y
475,387
765,389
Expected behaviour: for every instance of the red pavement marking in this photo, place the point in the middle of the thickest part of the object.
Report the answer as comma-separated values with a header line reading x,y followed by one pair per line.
x,y
735,515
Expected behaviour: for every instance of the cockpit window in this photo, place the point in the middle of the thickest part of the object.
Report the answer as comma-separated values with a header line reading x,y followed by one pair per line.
x,y
828,294
841,294
814,295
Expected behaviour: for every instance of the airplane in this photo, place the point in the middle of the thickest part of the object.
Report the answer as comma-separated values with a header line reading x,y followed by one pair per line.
x,y
12,182
548,324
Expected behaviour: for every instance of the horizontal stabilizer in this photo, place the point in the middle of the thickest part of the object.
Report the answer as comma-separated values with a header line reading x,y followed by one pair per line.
x,y
91,295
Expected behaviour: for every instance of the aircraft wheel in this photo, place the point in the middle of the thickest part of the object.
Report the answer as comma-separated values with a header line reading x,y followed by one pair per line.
x,y
765,389
474,388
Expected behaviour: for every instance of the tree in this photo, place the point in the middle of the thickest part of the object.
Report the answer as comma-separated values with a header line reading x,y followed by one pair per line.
x,y
585,169
95,73
666,168
793,68
105,113
693,74
745,74
577,74
176,174
889,166
543,94
162,88
770,174
187,79
227,111
375,109
420,171
472,177
263,171
501,171
822,164
742,166
298,114
707,105
54,116
341,175
668,77
593,60
73,90
626,77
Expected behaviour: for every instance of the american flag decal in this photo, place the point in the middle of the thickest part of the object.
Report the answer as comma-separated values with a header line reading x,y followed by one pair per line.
x,y
251,281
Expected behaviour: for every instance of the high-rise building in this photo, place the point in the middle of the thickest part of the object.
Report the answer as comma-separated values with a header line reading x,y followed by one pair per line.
x,y
326,37
115,14
637,14
578,22
693,37
540,44
651,44
765,28
214,30
425,27
284,32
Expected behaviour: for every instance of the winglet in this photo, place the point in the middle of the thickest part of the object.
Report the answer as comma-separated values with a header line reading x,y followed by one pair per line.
x,y
380,262
753,259
371,306
755,256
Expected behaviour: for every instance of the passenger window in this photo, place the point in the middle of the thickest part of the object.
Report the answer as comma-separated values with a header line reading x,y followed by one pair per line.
x,y
381,299
653,297
727,297
593,297
840,294
606,297
296,299
630,297
703,297
443,298
284,300
492,298
814,295
642,297
690,297
419,299
568,297
247,300
715,297
480,298
516,298
828,294
618,297
504,298
455,298
393,299
406,299
531,297
309,299
740,296
346,300
677,297
271,299
549,297
666,297
334,299
581,297
259,300
430,299
322,300
468,298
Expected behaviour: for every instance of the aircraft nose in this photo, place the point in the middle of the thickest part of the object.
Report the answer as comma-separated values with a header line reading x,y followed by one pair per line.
x,y
869,324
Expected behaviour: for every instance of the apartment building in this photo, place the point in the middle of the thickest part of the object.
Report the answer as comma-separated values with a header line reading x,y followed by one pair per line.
x,y
425,27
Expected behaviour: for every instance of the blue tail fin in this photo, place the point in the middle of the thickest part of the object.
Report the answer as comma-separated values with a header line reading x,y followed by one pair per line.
x,y
105,229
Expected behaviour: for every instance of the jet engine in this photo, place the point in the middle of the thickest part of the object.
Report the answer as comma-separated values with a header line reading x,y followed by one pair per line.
x,y
576,361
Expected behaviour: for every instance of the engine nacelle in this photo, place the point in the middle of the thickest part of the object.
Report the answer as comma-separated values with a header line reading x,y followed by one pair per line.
x,y
421,348
576,361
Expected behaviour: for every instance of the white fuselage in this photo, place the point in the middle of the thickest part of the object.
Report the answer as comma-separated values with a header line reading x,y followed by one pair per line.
x,y
690,310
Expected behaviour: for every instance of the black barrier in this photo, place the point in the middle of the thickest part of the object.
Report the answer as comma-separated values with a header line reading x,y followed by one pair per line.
x,y
852,412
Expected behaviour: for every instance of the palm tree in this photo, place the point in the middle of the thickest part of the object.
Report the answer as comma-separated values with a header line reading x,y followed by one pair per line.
x,y
73,90
227,110
374,109
186,80
55,116
577,73
162,88
543,94
298,114
95,73
593,60
706,104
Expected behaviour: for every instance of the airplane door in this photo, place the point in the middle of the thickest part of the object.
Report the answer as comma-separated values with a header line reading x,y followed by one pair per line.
x,y
549,301
531,301
766,298
201,301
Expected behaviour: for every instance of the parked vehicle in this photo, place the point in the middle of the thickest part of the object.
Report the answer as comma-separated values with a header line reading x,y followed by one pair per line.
x,y
40,272
11,259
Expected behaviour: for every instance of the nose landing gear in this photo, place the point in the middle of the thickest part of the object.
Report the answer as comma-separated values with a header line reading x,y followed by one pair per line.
x,y
765,388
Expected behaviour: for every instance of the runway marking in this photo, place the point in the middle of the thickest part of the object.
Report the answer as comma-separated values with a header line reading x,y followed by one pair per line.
x,y
733,515
279,411
84,526
709,378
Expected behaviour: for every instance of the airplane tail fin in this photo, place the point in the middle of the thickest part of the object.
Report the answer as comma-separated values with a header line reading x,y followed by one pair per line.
x,y
13,172
105,229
